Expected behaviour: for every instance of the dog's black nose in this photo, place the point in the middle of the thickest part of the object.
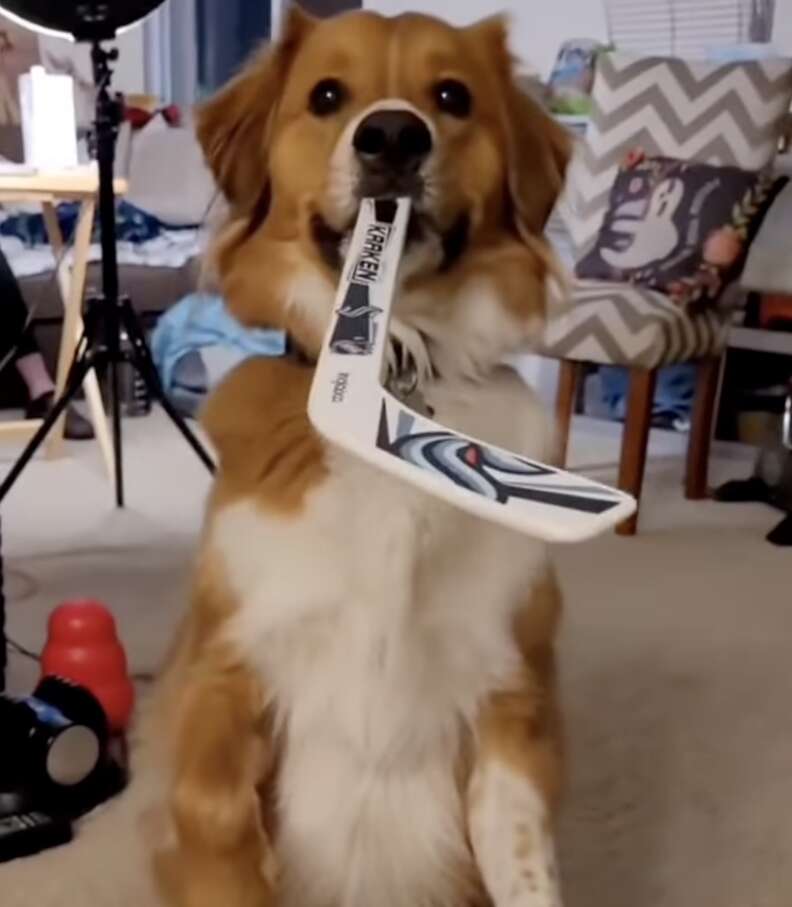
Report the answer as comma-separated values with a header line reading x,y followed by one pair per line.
x,y
395,141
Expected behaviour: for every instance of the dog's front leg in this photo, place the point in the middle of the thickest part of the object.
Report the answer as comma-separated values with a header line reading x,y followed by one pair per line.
x,y
515,785
222,750
510,808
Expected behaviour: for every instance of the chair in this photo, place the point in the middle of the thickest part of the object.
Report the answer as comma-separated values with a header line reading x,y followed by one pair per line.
x,y
723,114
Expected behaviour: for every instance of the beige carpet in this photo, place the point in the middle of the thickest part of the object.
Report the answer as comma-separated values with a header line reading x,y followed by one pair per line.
x,y
677,654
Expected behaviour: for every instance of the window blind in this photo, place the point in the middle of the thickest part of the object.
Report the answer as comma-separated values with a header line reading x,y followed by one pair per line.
x,y
686,28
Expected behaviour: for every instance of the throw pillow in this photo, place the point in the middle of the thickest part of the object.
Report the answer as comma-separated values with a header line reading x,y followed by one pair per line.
x,y
168,177
679,227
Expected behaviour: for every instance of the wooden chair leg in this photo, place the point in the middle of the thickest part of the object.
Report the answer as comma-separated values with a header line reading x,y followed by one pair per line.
x,y
707,379
568,382
636,439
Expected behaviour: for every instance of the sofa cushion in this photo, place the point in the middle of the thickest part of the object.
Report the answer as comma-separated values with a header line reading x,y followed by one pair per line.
x,y
150,289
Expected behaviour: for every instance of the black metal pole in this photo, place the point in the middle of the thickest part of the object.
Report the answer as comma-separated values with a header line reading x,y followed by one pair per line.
x,y
108,118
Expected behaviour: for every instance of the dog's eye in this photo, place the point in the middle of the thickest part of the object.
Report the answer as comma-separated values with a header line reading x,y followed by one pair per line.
x,y
327,97
453,97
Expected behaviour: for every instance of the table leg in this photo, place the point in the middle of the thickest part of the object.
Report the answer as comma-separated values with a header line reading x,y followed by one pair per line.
x,y
70,316
72,287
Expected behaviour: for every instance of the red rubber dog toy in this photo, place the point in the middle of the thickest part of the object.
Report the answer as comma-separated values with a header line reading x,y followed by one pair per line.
x,y
83,646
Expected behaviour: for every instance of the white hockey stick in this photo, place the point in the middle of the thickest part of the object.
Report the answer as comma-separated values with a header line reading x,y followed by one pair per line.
x,y
349,406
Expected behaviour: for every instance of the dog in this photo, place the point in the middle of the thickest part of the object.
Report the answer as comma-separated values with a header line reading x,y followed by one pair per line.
x,y
360,708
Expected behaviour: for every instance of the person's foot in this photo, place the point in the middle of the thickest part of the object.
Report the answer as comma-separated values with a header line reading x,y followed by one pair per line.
x,y
76,428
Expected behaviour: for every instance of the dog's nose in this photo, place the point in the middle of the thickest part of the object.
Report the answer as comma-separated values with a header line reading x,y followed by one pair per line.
x,y
392,140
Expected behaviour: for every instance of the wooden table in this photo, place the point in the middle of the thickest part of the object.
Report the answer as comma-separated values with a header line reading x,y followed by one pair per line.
x,y
80,185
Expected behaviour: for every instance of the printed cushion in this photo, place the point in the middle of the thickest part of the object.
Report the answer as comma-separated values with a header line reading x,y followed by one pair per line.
x,y
725,114
679,227
624,324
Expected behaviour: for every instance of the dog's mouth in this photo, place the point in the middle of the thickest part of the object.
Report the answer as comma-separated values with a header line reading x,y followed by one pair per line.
x,y
387,184
422,228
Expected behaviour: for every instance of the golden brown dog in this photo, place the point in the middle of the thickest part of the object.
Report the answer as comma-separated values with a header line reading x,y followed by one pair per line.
x,y
360,708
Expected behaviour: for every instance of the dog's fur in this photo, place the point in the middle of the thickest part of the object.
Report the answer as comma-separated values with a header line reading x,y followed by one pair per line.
x,y
360,708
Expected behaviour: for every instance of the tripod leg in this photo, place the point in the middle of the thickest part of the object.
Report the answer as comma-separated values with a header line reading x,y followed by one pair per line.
x,y
118,460
145,365
189,436
79,370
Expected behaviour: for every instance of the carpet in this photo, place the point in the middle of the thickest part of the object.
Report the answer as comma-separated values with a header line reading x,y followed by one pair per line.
x,y
675,653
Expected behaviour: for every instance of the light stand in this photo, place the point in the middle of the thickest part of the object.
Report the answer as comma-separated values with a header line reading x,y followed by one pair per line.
x,y
106,316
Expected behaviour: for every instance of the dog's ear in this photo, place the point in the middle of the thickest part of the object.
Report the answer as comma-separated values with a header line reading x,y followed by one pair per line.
x,y
539,152
234,125
538,148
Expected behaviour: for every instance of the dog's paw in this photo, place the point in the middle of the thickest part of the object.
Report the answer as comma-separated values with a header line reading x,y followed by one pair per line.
x,y
408,357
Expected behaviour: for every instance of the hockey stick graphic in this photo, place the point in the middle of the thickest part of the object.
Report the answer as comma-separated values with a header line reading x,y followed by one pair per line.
x,y
350,407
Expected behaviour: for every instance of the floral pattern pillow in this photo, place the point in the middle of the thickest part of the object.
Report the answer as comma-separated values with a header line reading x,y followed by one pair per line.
x,y
680,227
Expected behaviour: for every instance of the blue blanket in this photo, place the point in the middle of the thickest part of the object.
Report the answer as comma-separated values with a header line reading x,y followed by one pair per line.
x,y
132,225
197,342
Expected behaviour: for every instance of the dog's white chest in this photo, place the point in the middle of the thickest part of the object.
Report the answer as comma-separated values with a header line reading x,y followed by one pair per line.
x,y
369,803
379,621
377,655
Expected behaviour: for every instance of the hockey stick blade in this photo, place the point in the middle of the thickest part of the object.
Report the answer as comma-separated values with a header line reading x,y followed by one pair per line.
x,y
349,406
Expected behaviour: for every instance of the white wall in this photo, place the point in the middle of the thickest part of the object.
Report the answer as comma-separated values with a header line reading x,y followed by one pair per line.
x,y
782,25
538,26
129,70
130,76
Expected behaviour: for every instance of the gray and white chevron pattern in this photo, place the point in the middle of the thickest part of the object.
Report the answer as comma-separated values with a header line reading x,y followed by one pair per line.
x,y
715,113
623,324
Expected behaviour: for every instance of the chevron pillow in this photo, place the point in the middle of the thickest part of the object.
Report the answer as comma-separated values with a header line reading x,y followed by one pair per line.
x,y
713,113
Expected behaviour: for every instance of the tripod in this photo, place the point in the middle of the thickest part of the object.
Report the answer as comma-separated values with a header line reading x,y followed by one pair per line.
x,y
106,316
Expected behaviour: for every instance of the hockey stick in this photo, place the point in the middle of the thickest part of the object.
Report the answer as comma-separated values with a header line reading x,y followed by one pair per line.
x,y
349,406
